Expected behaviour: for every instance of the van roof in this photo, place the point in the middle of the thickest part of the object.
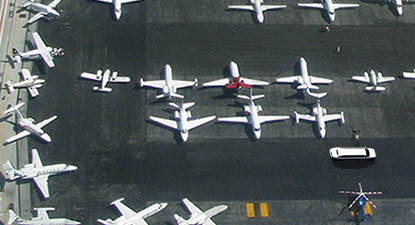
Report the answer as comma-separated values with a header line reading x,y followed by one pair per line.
x,y
352,152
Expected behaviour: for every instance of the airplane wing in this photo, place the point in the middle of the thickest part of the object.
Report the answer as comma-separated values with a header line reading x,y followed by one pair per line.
x,y
91,76
120,80
292,79
209,222
264,119
191,207
126,211
242,7
40,44
220,82
410,75
33,91
311,5
385,79
361,79
36,161
306,117
238,119
182,84
54,3
199,122
154,84
272,7
166,122
18,136
106,1
254,82
26,75
344,6
46,121
319,80
35,18
332,117
42,184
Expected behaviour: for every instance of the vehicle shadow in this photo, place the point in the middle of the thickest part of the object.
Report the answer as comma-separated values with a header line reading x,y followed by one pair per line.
x,y
353,164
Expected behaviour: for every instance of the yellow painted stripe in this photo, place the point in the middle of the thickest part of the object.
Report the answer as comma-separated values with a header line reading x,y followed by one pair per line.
x,y
264,209
250,211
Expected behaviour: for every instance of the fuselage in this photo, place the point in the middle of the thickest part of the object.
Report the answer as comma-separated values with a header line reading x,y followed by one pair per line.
x,y
105,78
182,116
30,171
56,221
319,113
143,214
257,4
29,83
35,54
373,78
168,86
253,119
329,6
304,72
44,9
117,9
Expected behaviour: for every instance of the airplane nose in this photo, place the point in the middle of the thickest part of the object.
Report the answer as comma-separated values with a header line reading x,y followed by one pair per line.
x,y
322,133
400,11
72,168
163,205
257,134
117,15
185,136
332,17
260,17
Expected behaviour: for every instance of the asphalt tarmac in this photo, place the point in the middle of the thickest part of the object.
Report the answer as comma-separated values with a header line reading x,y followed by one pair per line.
x,y
120,154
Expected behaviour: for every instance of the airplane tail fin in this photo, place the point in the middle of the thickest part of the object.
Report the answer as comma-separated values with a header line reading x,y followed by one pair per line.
x,y
297,119
17,55
9,87
305,86
180,220
106,222
13,217
174,95
105,89
251,96
11,172
14,108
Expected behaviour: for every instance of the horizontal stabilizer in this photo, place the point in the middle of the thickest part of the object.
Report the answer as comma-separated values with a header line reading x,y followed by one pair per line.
x,y
272,7
13,217
317,95
14,108
375,88
215,210
179,219
188,105
105,89
9,87
10,171
106,222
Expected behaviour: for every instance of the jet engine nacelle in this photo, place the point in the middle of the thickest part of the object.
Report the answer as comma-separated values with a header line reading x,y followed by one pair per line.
x,y
37,86
176,115
31,120
324,111
259,109
165,89
189,115
99,74
315,111
114,75
380,75
247,111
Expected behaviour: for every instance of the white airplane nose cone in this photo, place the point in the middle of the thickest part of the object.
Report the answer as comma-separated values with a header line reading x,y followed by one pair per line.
x,y
260,17
400,11
72,168
46,138
332,17
234,69
257,134
322,133
117,15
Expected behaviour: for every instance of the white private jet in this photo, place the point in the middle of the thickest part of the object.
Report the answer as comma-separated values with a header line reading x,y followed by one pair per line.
x,y
236,81
29,125
42,218
253,115
36,171
328,5
258,7
304,80
319,115
373,79
182,119
42,52
31,83
168,86
104,79
197,216
42,10
117,5
130,217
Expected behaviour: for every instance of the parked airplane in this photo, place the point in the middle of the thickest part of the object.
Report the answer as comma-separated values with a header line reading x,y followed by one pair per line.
x,y
42,218
36,171
319,115
361,199
197,216
117,5
32,83
253,115
258,7
42,52
304,80
409,75
29,125
182,119
168,86
328,5
104,79
373,80
130,217
42,10
236,81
